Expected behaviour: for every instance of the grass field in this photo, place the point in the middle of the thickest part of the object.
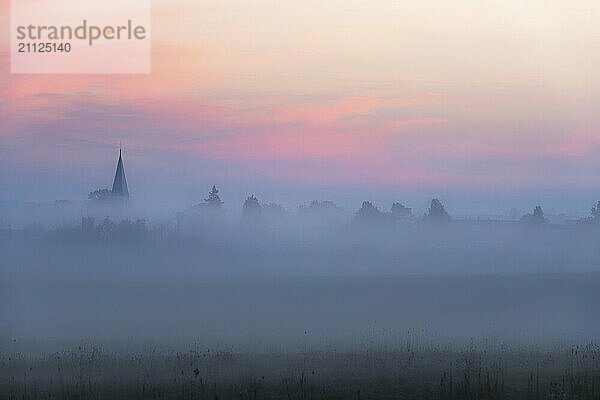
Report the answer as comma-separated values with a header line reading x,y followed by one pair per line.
x,y
91,373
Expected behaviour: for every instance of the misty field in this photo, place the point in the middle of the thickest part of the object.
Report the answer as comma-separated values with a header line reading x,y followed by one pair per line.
x,y
453,337
409,373
444,313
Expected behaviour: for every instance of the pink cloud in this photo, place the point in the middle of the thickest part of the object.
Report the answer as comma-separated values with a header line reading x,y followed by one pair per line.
x,y
371,137
352,106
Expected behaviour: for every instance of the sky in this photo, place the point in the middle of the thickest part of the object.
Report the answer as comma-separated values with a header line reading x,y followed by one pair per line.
x,y
487,105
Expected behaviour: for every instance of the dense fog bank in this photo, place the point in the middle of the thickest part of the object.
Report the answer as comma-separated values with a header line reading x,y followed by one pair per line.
x,y
271,280
286,314
201,248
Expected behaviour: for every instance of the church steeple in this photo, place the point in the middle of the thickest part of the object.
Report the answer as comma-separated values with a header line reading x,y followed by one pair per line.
x,y
119,187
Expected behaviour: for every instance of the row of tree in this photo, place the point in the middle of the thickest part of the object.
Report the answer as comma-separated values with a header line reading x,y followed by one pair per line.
x,y
124,231
368,213
330,212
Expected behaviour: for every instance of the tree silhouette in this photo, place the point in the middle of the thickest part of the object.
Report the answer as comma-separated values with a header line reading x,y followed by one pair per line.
x,y
399,210
368,213
536,218
273,209
87,225
321,208
213,200
538,215
100,195
437,212
251,205
321,213
106,229
251,212
596,212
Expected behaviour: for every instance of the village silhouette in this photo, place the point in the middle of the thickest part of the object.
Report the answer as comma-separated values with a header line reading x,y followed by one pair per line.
x,y
256,214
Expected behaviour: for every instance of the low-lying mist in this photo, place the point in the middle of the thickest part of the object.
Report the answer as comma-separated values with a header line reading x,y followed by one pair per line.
x,y
119,275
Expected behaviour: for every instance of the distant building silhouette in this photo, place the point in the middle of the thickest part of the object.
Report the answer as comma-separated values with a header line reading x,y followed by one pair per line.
x,y
119,187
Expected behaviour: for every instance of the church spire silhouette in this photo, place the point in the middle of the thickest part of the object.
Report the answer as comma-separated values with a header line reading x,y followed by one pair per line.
x,y
119,187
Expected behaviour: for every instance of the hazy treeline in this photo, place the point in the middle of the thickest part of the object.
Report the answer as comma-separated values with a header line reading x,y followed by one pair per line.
x,y
108,217
114,271
101,203
320,238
